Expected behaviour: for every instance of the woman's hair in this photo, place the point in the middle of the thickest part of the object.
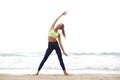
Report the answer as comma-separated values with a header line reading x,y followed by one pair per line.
x,y
63,31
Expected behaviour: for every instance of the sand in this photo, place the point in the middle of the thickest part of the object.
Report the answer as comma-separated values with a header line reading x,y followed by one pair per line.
x,y
60,77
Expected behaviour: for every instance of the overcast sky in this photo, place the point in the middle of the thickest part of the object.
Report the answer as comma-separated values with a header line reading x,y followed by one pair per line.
x,y
90,25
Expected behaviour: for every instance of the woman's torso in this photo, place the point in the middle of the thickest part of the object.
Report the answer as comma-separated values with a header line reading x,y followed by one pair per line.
x,y
52,36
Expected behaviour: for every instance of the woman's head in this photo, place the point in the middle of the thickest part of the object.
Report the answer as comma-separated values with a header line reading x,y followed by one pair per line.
x,y
61,27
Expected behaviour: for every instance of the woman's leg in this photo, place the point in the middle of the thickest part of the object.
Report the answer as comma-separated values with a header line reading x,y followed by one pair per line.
x,y
48,52
59,54
60,58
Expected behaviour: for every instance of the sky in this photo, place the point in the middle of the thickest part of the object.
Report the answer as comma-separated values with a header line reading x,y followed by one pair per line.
x,y
90,25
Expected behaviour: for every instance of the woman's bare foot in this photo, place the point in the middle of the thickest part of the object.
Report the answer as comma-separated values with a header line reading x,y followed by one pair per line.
x,y
65,73
36,74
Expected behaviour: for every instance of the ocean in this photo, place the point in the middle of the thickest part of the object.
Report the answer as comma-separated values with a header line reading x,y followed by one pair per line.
x,y
28,62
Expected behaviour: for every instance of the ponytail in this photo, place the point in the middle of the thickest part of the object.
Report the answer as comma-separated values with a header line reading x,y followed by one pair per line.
x,y
63,31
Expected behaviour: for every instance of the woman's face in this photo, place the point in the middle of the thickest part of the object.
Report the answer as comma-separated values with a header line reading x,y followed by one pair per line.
x,y
60,26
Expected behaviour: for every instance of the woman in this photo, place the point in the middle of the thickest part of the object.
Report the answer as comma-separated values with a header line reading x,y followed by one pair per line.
x,y
53,44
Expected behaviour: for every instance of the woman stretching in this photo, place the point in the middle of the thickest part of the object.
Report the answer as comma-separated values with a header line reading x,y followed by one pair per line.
x,y
54,45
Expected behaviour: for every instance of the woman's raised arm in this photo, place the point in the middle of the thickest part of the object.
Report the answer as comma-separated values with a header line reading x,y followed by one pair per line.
x,y
53,25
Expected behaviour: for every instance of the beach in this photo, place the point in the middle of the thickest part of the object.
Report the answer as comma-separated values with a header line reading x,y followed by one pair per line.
x,y
80,66
60,77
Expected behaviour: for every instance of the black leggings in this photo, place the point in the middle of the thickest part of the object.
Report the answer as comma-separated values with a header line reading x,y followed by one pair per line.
x,y
51,47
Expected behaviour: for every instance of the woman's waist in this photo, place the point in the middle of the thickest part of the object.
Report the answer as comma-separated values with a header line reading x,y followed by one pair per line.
x,y
51,39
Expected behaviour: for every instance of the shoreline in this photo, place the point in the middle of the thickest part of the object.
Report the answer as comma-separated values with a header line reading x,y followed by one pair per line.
x,y
49,71
60,77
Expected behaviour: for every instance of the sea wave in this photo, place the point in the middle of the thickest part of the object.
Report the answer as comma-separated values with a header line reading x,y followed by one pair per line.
x,y
70,53
21,54
102,53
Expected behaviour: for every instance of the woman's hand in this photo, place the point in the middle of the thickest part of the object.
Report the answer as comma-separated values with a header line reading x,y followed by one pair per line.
x,y
64,13
65,54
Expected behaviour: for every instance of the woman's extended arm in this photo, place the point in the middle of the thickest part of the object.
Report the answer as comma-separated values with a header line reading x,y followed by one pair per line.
x,y
59,39
64,13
